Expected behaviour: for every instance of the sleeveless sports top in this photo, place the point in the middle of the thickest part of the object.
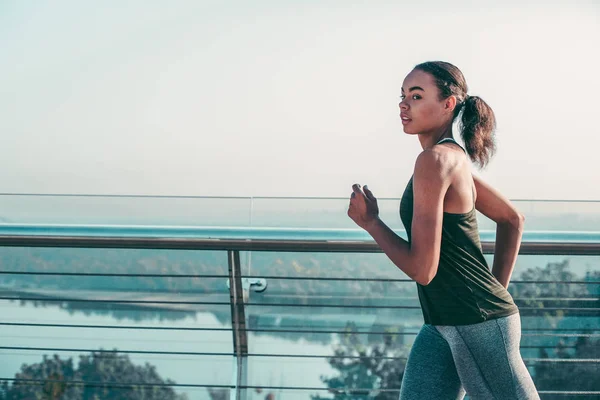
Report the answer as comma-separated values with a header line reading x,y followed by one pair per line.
x,y
464,290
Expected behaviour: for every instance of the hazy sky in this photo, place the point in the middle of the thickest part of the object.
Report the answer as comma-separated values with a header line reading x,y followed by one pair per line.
x,y
285,98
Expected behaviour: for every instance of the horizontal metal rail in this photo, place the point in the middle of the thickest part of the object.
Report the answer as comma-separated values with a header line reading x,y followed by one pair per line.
x,y
269,355
559,332
113,301
113,385
304,298
270,277
308,305
126,327
112,275
343,246
128,385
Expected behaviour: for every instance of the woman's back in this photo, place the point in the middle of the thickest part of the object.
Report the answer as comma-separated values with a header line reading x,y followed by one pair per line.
x,y
461,195
463,291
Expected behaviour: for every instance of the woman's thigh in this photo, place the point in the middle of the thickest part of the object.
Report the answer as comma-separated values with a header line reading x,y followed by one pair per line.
x,y
430,372
488,360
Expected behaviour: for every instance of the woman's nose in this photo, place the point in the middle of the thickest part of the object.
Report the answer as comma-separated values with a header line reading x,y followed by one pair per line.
x,y
403,106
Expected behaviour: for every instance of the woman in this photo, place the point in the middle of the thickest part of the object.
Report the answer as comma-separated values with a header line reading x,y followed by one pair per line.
x,y
470,339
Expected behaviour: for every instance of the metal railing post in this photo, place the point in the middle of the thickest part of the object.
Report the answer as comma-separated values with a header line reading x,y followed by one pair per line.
x,y
238,323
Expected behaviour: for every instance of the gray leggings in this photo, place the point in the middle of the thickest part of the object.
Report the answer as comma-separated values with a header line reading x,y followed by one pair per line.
x,y
483,359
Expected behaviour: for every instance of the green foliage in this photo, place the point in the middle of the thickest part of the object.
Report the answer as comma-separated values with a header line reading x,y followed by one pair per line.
x,y
366,371
562,376
557,294
102,375
581,376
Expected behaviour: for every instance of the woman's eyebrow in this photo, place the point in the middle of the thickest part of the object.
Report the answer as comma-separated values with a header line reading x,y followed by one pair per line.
x,y
414,88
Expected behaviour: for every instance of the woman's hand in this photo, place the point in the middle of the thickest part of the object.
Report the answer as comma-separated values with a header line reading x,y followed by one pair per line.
x,y
363,207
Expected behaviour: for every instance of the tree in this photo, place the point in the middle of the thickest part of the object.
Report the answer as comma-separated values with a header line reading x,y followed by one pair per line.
x,y
561,376
366,371
53,372
103,375
557,294
581,376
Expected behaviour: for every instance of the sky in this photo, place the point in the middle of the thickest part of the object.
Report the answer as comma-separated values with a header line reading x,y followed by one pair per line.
x,y
286,98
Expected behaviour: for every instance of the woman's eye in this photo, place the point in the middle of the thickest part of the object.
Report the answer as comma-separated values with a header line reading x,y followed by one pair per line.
x,y
414,97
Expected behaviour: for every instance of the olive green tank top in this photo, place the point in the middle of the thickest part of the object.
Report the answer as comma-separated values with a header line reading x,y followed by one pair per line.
x,y
464,290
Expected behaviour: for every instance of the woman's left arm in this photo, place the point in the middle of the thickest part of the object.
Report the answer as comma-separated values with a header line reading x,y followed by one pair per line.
x,y
418,259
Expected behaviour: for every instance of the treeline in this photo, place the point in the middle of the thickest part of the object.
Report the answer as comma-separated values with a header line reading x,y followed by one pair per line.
x,y
99,375
202,264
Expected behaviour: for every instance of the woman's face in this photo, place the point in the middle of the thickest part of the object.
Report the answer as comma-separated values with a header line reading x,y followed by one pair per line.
x,y
421,110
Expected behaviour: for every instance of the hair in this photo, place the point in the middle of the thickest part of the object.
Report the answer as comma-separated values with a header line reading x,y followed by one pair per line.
x,y
478,122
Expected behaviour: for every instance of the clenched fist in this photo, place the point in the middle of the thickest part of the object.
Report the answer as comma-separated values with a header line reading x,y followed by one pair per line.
x,y
363,207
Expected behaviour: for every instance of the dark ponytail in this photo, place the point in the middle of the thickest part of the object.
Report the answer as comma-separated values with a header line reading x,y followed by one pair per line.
x,y
477,126
478,122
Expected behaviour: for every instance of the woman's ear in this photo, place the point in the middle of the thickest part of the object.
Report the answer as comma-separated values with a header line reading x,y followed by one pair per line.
x,y
450,103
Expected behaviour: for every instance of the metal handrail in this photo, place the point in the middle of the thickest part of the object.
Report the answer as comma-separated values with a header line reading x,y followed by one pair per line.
x,y
329,246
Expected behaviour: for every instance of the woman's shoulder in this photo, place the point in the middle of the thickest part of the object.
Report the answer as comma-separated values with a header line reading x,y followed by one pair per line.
x,y
441,159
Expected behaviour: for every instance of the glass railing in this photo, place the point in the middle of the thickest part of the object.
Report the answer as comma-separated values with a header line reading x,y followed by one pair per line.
x,y
257,298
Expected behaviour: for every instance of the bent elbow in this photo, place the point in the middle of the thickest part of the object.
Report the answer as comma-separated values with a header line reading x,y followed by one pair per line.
x,y
423,282
426,277
518,221
513,219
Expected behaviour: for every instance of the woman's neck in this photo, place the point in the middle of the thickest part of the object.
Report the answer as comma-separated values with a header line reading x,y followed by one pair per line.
x,y
428,140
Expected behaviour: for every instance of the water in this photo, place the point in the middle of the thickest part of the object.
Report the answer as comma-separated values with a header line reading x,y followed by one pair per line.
x,y
210,370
